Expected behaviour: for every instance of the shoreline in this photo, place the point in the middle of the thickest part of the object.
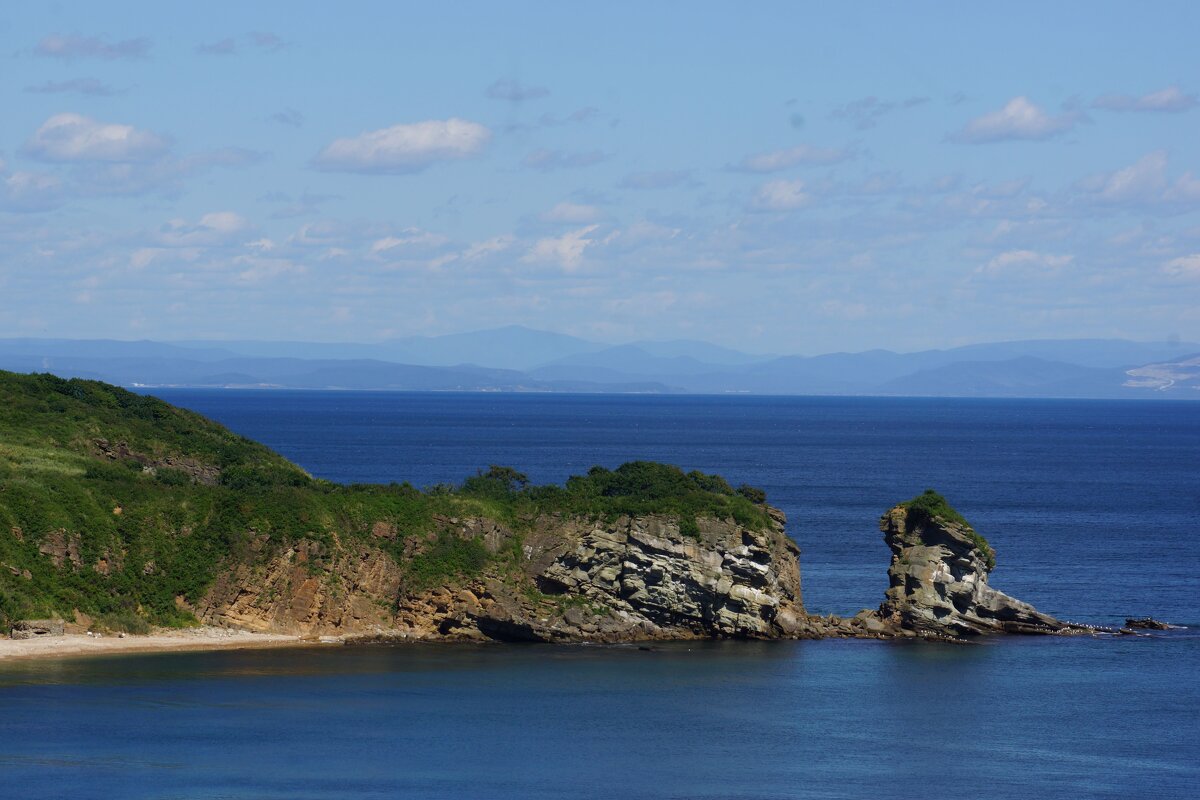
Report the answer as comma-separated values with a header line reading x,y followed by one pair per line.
x,y
78,645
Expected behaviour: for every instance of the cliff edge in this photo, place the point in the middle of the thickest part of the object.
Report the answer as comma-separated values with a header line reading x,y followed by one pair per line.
x,y
559,579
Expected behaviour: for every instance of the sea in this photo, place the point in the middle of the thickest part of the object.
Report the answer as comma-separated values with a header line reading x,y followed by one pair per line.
x,y
1092,507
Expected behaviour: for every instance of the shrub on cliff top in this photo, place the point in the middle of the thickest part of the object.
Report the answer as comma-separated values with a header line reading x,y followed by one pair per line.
x,y
930,505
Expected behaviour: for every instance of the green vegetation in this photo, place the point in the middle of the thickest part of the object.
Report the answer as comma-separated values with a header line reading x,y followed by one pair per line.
x,y
447,558
930,505
125,508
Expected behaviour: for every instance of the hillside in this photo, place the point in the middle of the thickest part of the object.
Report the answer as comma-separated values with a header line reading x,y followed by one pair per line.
x,y
119,511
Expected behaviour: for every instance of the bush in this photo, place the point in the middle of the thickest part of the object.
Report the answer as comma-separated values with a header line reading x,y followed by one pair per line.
x,y
753,494
447,558
930,505
122,622
169,476
497,482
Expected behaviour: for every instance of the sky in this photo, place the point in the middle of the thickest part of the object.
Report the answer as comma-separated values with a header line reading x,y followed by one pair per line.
x,y
775,177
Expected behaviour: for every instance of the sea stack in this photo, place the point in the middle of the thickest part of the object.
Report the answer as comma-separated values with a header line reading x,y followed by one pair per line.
x,y
939,577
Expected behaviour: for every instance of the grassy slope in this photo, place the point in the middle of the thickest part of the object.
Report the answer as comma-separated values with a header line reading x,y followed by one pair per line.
x,y
165,531
931,505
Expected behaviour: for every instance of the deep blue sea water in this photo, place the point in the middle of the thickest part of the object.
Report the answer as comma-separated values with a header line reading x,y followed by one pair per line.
x,y
1092,507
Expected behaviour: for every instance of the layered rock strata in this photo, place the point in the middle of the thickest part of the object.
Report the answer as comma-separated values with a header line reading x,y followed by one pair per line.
x,y
939,583
632,578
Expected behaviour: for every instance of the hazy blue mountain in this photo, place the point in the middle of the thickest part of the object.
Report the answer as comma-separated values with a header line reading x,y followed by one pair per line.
x,y
298,373
1084,352
700,351
516,359
874,371
628,360
1024,376
512,347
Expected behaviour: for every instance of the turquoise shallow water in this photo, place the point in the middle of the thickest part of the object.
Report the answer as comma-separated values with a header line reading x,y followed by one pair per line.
x,y
1092,507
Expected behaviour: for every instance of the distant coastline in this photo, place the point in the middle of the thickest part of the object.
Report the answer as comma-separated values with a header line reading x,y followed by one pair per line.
x,y
518,359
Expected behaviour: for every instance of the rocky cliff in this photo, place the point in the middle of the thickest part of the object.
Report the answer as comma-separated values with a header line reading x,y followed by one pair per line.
x,y
567,579
121,511
939,578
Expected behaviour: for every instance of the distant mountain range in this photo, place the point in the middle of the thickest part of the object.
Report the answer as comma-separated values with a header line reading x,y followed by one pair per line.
x,y
520,359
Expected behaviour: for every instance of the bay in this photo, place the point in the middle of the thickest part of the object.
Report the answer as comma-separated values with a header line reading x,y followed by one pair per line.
x,y
1091,506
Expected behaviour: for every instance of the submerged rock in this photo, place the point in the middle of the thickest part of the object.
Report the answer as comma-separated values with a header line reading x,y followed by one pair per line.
x,y
939,578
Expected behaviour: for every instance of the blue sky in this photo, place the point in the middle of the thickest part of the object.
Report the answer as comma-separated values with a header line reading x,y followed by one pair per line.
x,y
780,178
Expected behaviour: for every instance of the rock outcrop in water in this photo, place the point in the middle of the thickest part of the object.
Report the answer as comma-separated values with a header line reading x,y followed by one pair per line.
x,y
939,578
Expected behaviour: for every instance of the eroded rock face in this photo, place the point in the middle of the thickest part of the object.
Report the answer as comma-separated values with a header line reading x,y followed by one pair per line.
x,y
939,587
37,628
725,581
631,579
306,588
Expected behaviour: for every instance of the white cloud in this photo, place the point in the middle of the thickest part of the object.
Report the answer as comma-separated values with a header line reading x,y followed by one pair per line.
x,y
74,137
214,228
1024,261
409,238
70,47
514,91
1185,267
405,148
1145,181
257,269
781,196
777,160
1171,100
564,251
572,212
496,244
1019,119
29,191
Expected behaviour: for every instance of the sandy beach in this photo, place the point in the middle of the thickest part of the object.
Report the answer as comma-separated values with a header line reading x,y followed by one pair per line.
x,y
74,645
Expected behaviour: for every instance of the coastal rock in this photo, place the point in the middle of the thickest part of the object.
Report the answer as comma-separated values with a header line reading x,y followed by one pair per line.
x,y
306,588
939,582
570,579
648,577
1146,623
37,628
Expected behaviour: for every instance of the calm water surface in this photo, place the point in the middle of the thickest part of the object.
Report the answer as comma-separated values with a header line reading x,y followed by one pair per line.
x,y
1091,505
